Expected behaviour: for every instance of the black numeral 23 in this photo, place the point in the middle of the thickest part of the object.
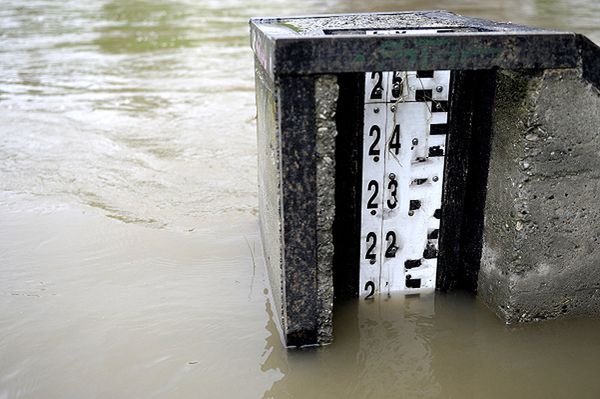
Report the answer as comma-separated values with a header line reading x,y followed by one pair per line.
x,y
393,200
373,186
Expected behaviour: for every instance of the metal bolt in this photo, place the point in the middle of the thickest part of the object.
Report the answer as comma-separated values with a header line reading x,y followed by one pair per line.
x,y
415,141
372,261
392,176
410,213
435,178
393,108
376,110
373,213
439,89
378,91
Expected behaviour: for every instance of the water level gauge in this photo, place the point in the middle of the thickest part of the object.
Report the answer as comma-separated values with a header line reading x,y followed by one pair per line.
x,y
404,140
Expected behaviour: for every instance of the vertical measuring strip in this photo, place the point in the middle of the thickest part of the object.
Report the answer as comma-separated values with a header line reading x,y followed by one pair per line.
x,y
406,115
372,186
426,118
373,167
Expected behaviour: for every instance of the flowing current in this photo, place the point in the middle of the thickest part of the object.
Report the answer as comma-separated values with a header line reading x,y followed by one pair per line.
x,y
130,262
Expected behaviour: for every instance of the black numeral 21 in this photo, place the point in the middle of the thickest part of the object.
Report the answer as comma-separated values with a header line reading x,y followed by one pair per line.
x,y
370,286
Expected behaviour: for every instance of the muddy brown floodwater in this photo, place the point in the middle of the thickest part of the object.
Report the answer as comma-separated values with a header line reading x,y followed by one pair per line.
x,y
130,265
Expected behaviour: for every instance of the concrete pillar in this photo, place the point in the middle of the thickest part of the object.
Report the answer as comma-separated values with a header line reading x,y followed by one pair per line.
x,y
541,241
296,159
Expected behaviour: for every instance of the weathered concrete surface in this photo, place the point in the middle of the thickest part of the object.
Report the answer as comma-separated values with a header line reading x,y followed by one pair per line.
x,y
541,248
269,183
296,116
326,94
398,20
317,24
296,159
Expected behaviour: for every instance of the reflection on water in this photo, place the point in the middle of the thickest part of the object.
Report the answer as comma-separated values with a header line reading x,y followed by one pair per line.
x,y
129,261
382,347
449,346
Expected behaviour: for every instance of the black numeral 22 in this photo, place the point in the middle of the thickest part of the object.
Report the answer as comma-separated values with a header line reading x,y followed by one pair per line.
x,y
390,252
370,254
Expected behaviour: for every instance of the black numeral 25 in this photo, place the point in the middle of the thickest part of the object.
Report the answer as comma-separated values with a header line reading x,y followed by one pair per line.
x,y
377,92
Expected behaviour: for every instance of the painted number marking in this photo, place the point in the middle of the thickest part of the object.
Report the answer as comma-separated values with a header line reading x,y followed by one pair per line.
x,y
373,150
370,250
377,92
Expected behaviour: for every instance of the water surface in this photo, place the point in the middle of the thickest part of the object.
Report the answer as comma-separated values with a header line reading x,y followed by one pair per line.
x,y
130,265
